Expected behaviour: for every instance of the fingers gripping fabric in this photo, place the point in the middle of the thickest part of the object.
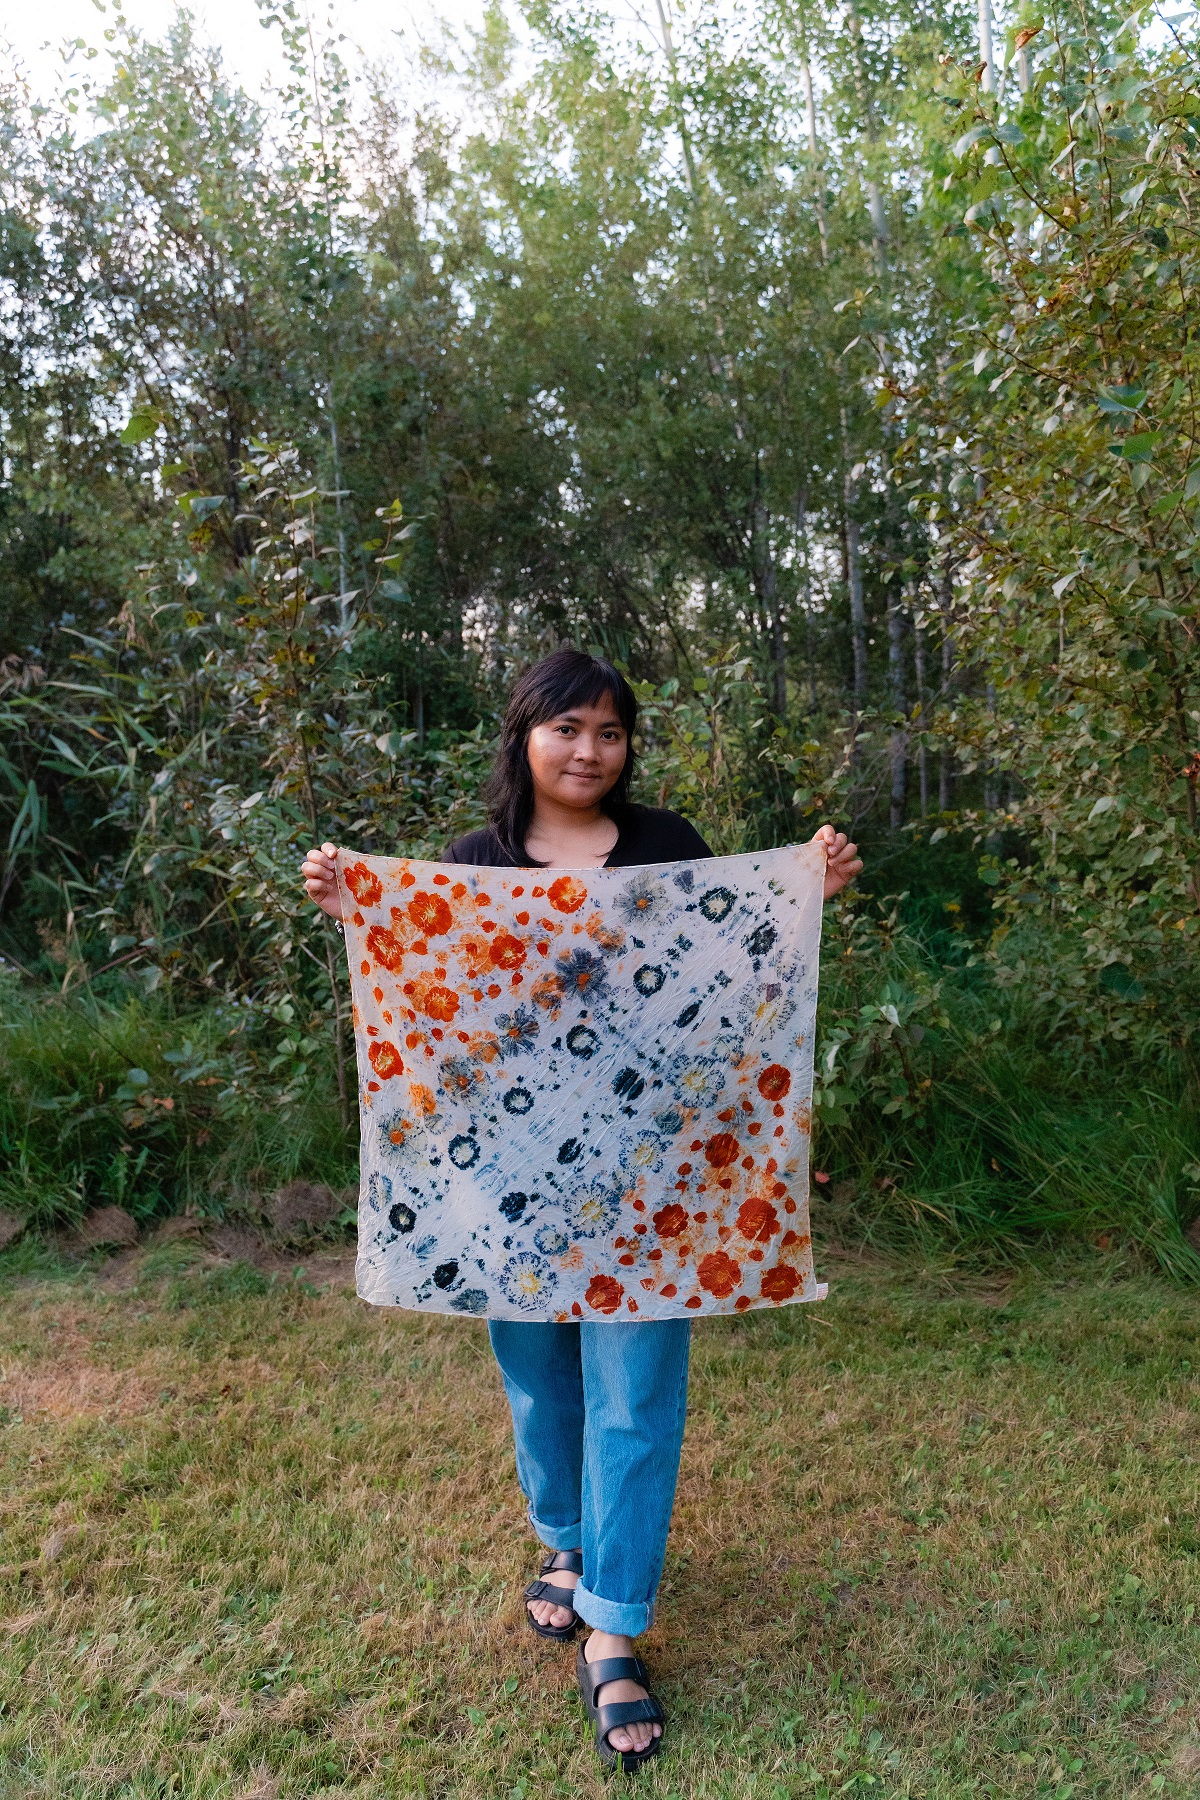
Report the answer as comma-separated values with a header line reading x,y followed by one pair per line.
x,y
585,1094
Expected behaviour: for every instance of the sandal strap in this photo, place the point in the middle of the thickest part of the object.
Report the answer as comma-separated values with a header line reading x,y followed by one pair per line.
x,y
570,1562
627,1712
616,1668
557,1596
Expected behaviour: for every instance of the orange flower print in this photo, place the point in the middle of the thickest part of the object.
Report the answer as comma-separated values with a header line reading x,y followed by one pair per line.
x,y
721,1150
566,895
366,887
780,1283
774,1082
440,1003
507,952
385,947
423,1098
757,1220
671,1221
548,992
605,1292
608,936
718,1274
474,952
386,1060
430,913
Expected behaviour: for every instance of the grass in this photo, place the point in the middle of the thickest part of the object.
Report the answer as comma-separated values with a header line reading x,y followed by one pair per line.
x,y
933,1538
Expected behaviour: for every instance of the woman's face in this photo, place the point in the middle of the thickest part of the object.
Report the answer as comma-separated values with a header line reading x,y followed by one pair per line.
x,y
576,757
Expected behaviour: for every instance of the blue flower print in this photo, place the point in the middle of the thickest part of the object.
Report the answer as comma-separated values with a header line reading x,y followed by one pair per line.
x,y
402,1142
464,1151
767,1008
582,1041
518,1101
582,973
696,1079
593,1210
551,1240
628,1084
471,1300
526,1280
379,1191
644,1156
459,1077
717,904
516,1031
513,1205
402,1218
642,900
761,939
648,979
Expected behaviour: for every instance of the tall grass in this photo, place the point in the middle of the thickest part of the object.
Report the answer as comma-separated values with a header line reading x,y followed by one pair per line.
x,y
126,1102
1017,1147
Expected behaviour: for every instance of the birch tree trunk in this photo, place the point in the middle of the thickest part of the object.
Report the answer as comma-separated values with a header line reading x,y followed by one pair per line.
x,y
919,671
806,589
854,584
810,107
875,204
945,763
768,595
898,747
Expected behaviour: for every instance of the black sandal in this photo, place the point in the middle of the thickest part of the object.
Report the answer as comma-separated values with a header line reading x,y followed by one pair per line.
x,y
571,1562
591,1678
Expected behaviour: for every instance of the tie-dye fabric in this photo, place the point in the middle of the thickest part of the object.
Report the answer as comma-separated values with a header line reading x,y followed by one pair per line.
x,y
585,1094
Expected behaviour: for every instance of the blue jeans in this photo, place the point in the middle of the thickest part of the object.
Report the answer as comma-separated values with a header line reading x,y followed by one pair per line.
x,y
598,1412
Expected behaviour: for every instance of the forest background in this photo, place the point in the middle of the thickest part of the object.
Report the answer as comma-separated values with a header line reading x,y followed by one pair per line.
x,y
833,369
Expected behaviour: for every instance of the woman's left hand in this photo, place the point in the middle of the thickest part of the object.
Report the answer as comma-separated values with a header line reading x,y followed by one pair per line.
x,y
842,861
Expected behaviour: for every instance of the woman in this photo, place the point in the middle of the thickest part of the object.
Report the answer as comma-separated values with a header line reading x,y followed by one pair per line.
x,y
598,1409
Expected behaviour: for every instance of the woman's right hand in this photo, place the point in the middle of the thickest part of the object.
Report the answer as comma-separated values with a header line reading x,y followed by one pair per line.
x,y
320,881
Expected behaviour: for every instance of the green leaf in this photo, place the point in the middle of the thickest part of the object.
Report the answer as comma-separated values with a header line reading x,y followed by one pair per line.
x,y
204,505
1008,134
968,138
1191,486
1118,979
66,750
141,426
1141,446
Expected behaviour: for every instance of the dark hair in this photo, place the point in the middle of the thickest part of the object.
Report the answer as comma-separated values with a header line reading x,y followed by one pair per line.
x,y
555,685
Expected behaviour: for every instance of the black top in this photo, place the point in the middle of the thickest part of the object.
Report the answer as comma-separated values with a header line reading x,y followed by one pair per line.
x,y
646,834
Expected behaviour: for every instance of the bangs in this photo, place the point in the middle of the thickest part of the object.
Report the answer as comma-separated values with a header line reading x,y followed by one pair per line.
x,y
583,685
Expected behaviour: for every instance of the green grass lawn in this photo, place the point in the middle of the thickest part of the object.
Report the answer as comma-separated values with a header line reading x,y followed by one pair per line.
x,y
932,1539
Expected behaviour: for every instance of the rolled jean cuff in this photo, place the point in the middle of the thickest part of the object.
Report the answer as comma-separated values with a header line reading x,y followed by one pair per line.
x,y
558,1537
622,1618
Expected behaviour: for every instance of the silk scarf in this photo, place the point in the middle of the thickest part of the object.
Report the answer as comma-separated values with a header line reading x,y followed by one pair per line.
x,y
585,1094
